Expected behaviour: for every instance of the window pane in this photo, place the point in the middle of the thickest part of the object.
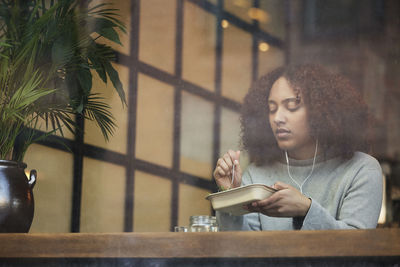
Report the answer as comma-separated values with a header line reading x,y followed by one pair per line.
x,y
53,189
230,135
270,60
103,197
152,203
192,202
199,46
157,22
196,136
230,130
274,22
155,116
237,63
93,134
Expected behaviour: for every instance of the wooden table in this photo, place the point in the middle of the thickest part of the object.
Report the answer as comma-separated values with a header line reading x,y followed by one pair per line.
x,y
276,248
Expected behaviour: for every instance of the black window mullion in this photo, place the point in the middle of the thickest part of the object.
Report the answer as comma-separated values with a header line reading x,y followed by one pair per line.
x,y
132,108
218,83
254,49
78,167
177,113
77,174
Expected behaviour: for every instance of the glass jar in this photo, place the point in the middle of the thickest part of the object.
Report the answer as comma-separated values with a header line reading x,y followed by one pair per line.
x,y
180,229
203,223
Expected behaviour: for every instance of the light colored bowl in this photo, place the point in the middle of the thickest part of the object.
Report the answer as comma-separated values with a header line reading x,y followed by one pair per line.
x,y
232,201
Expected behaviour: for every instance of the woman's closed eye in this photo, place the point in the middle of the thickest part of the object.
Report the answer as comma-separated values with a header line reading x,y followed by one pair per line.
x,y
292,104
272,107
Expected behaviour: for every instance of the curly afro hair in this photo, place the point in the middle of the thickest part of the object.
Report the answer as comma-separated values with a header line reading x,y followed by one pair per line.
x,y
337,114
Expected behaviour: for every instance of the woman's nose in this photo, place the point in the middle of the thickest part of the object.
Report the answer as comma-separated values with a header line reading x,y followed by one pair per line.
x,y
279,117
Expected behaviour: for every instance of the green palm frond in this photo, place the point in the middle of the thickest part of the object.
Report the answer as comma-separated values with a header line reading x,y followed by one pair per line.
x,y
48,52
18,107
99,112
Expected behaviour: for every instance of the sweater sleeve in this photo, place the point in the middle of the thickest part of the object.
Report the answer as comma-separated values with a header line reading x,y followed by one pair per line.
x,y
359,209
247,222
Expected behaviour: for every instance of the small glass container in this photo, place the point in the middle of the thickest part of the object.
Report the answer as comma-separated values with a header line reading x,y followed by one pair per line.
x,y
180,229
203,223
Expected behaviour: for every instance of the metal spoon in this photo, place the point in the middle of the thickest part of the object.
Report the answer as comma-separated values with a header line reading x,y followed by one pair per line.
x,y
233,174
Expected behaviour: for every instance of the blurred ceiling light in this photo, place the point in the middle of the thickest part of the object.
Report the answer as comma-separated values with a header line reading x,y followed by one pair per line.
x,y
224,23
263,47
258,14
242,3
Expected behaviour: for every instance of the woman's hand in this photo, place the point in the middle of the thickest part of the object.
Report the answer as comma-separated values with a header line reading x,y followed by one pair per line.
x,y
223,170
286,202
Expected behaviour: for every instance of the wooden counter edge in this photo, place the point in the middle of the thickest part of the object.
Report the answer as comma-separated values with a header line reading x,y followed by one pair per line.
x,y
268,244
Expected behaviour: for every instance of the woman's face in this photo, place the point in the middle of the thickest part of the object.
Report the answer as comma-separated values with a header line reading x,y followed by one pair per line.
x,y
288,120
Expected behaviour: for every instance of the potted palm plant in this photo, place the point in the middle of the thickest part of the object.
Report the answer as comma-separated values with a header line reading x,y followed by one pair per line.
x,y
48,54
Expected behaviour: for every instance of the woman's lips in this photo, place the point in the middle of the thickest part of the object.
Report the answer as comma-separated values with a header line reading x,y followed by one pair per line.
x,y
282,133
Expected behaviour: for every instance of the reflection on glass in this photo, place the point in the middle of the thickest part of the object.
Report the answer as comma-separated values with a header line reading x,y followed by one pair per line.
x,y
236,63
157,24
154,131
103,197
152,203
53,190
196,136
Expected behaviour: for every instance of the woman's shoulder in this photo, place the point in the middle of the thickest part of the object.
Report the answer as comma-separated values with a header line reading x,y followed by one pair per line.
x,y
357,163
365,170
364,160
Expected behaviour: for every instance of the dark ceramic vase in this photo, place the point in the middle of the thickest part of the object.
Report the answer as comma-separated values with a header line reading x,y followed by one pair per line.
x,y
16,197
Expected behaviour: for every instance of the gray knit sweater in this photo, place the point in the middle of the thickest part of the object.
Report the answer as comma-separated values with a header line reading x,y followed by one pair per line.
x,y
345,194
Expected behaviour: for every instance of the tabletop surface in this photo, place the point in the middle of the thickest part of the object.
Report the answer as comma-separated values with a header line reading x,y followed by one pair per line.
x,y
267,244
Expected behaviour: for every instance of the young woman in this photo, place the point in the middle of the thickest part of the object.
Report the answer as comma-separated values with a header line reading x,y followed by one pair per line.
x,y
307,134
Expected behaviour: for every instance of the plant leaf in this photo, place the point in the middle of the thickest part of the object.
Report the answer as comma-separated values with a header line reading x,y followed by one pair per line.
x,y
61,51
85,80
99,112
110,34
114,77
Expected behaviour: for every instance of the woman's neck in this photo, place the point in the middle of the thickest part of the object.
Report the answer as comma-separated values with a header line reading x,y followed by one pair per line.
x,y
306,152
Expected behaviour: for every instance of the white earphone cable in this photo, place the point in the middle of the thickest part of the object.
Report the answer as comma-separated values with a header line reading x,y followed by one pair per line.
x,y
309,175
